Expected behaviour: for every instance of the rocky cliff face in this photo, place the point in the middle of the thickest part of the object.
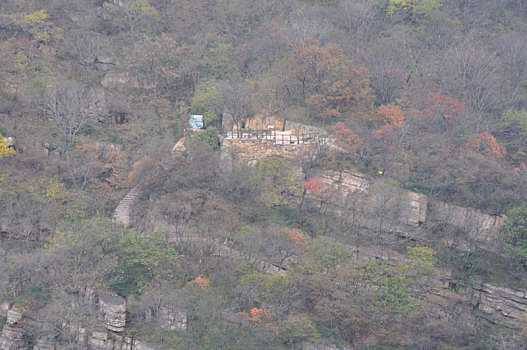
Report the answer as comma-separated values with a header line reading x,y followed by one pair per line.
x,y
499,303
112,310
12,336
406,210
482,229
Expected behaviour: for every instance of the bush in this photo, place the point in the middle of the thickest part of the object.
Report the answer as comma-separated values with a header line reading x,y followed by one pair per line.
x,y
513,233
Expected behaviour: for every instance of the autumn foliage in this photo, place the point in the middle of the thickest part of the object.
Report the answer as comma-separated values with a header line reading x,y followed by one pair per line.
x,y
330,83
446,106
295,235
260,317
313,185
5,150
200,281
139,167
392,116
346,138
487,144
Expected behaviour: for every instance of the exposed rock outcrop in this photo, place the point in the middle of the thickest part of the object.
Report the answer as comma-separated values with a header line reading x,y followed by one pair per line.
x,y
12,336
482,229
43,344
112,309
113,80
508,303
172,319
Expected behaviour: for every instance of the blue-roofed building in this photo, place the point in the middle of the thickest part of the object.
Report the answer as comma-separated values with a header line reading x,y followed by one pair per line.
x,y
196,121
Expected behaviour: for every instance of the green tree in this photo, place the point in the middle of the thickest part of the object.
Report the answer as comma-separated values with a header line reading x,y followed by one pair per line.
x,y
513,233
136,10
207,101
140,260
207,137
276,179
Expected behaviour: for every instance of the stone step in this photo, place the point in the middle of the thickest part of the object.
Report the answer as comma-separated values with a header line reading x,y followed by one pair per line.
x,y
122,212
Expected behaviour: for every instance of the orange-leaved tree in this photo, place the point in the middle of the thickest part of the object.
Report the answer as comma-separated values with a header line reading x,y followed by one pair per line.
x,y
260,317
485,143
392,116
328,82
346,138
446,106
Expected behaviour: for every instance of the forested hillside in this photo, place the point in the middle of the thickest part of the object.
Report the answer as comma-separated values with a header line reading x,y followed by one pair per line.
x,y
360,181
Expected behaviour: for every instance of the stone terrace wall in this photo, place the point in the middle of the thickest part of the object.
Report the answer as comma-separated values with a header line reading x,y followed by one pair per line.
x,y
253,151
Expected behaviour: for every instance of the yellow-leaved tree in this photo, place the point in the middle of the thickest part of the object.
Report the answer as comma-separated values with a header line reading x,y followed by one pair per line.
x,y
5,149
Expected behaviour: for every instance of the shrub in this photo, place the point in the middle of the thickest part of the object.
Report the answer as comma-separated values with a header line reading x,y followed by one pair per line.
x,y
513,233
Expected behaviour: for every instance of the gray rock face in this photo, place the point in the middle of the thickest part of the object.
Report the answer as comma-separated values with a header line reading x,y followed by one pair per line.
x,y
112,309
410,209
43,344
172,319
103,341
14,315
508,303
12,337
482,228
98,341
119,81
4,308
75,332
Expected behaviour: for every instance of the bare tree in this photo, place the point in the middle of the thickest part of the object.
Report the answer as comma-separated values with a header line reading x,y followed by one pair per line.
x,y
88,48
387,69
512,51
357,17
236,97
72,106
475,80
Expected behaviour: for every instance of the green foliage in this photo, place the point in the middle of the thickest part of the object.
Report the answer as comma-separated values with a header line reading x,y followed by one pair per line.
x,y
420,9
514,235
425,7
137,9
206,101
515,124
208,137
275,177
3,320
140,260
264,289
297,329
322,254
394,295
422,260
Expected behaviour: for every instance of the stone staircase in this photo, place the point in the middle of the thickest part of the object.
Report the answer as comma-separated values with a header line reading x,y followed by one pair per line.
x,y
122,212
